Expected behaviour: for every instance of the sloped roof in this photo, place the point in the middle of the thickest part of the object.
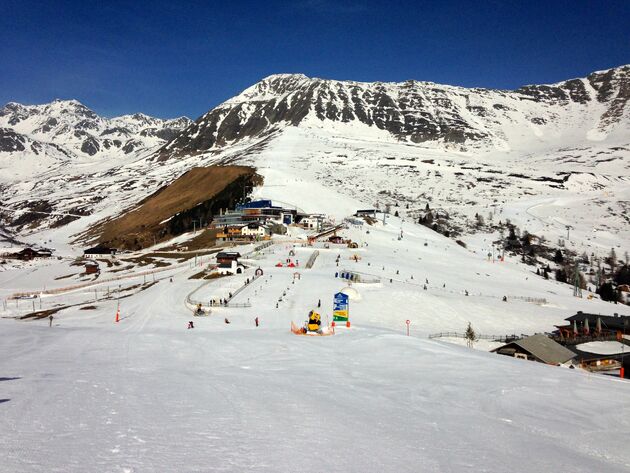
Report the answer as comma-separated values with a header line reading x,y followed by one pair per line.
x,y
610,322
542,347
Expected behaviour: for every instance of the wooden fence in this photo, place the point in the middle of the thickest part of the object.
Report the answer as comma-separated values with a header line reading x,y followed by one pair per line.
x,y
494,338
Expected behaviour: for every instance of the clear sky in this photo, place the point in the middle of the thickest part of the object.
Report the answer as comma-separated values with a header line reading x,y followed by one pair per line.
x,y
171,58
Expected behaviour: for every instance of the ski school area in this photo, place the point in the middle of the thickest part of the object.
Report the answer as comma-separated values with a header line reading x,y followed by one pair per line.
x,y
301,354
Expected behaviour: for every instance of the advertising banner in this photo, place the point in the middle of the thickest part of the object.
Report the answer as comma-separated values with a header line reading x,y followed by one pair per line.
x,y
341,307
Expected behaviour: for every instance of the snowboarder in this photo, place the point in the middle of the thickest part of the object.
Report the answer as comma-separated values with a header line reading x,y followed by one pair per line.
x,y
171,279
256,321
199,310
227,321
190,324
319,303
50,319
504,298
466,291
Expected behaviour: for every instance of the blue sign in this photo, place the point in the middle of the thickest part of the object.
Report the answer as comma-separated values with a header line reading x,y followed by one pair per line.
x,y
340,307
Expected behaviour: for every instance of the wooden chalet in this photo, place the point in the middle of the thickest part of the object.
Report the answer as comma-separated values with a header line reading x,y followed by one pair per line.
x,y
29,253
226,257
539,348
584,325
92,267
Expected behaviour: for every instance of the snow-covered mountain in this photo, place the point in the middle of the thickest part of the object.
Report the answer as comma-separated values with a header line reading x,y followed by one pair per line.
x,y
74,129
593,108
544,156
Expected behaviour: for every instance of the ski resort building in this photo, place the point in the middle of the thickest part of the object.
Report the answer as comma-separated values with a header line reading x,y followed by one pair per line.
x,y
256,230
537,348
261,211
231,233
28,254
366,213
99,252
584,324
92,267
312,222
226,257
232,267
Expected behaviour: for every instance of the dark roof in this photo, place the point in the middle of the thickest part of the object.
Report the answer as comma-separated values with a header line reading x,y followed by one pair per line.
x,y
610,322
228,255
541,347
99,250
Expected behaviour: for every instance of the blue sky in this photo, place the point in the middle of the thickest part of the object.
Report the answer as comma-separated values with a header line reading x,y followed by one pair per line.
x,y
168,58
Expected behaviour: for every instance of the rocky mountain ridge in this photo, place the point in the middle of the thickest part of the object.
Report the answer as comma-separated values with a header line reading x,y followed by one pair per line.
x,y
416,112
71,128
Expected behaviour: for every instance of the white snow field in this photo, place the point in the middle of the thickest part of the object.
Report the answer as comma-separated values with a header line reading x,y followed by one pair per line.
x,y
148,395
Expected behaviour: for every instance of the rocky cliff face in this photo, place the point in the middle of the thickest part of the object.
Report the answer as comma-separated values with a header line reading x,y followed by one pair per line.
x,y
416,112
71,126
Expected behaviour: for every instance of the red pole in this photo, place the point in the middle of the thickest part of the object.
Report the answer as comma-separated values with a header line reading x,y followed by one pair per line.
x,y
621,373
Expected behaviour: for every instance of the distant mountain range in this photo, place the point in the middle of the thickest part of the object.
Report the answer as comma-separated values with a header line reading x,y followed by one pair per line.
x,y
69,128
63,166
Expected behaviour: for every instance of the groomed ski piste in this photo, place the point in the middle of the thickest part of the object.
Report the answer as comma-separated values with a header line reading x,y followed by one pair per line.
x,y
147,394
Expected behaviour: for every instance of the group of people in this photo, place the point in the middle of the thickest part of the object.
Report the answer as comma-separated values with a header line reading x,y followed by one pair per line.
x,y
191,324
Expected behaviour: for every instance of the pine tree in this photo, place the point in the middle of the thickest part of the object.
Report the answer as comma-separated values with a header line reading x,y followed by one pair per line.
x,y
470,335
612,260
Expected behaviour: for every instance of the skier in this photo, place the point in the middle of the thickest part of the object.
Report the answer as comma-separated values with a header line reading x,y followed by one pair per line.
x,y
466,291
50,318
256,321
191,325
227,321
171,279
319,303
504,298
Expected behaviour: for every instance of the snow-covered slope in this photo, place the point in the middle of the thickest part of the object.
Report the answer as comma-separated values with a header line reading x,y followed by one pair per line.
x,y
148,395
